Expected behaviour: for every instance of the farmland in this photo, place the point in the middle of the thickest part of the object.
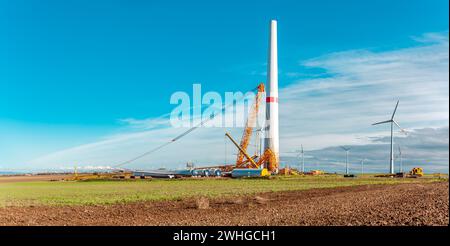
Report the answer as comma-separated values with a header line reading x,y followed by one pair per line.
x,y
111,192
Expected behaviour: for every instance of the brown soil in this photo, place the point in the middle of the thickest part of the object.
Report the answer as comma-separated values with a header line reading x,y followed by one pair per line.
x,y
29,178
404,204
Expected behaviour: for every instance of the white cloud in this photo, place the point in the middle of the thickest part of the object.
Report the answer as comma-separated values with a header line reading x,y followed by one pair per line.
x,y
425,147
365,87
441,37
146,124
318,113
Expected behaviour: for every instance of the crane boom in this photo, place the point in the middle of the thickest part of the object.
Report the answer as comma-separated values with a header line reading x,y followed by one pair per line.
x,y
250,124
267,156
241,150
244,160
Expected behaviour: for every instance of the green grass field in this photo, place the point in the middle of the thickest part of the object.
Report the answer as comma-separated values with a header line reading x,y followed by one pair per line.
x,y
108,192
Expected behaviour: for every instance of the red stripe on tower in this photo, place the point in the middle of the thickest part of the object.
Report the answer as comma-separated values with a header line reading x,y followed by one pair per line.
x,y
272,99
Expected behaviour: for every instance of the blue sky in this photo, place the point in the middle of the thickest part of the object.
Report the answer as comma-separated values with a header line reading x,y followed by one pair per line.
x,y
71,70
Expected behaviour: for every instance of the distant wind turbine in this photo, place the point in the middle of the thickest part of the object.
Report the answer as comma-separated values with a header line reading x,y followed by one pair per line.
x,y
392,121
347,150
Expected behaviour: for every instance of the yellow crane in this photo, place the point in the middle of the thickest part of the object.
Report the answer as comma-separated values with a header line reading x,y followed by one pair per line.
x,y
249,125
244,160
267,156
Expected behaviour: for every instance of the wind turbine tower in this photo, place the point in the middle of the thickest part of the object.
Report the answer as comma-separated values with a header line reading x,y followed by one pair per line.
x,y
392,122
303,159
362,166
272,133
347,150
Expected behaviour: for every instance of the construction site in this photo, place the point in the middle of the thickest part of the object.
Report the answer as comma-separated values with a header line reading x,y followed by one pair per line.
x,y
253,190
265,161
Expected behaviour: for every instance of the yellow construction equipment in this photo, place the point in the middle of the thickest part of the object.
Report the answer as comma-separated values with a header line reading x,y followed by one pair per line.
x,y
251,121
288,171
317,172
416,172
244,160
243,152
250,162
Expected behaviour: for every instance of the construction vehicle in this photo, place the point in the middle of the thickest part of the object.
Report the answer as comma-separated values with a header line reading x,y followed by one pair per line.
x,y
400,175
416,172
250,161
316,172
288,171
251,122
249,172
350,176
244,160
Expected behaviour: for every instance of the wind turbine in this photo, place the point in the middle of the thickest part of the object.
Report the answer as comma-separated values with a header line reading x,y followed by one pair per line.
x,y
346,158
392,121
362,165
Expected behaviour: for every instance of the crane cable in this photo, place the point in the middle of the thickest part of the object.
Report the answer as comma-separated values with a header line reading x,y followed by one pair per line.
x,y
212,116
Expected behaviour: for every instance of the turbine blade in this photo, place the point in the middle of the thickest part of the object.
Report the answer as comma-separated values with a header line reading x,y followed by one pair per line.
x,y
395,110
382,122
401,129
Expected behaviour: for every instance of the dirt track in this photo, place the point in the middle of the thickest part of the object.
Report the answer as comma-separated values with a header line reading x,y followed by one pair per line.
x,y
405,204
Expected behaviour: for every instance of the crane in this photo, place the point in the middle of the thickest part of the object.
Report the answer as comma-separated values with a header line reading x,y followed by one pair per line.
x,y
249,125
244,160
250,162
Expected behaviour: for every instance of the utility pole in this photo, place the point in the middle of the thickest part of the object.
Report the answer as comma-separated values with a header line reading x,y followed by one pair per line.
x,y
362,166
346,162
303,160
401,159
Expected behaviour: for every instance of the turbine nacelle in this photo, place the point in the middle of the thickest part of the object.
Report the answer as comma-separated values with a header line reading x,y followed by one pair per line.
x,y
345,148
